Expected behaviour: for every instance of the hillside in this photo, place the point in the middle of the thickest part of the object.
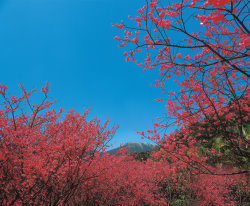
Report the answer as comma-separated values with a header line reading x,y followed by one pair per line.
x,y
134,147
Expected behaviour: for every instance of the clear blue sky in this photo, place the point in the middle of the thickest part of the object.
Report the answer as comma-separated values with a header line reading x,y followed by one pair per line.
x,y
70,44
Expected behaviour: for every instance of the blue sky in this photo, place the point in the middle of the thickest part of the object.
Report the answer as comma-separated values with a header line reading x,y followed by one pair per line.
x,y
70,44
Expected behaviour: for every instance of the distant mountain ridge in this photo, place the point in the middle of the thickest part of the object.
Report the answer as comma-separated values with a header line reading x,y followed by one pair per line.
x,y
134,147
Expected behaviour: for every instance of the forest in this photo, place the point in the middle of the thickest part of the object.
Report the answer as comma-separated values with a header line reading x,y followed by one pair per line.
x,y
50,157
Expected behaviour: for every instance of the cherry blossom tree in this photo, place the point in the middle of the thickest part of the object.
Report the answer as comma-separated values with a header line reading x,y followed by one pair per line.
x,y
202,47
45,155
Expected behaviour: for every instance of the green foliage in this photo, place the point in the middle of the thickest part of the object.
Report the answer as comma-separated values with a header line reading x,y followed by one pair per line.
x,y
142,156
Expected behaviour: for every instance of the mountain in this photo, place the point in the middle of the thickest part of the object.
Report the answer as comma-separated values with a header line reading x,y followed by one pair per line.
x,y
134,147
